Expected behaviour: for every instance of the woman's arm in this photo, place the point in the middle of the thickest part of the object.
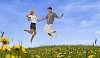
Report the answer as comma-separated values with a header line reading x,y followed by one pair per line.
x,y
38,20
29,18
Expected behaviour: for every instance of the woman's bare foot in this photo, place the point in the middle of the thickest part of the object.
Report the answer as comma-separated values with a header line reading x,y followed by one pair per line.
x,y
29,31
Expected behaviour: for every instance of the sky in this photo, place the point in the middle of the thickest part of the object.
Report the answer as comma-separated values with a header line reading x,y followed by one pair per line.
x,y
80,24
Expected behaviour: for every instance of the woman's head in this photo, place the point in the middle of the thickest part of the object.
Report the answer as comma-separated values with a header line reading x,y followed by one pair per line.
x,y
31,11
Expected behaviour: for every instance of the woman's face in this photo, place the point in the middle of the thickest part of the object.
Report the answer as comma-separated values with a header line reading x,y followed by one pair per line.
x,y
32,12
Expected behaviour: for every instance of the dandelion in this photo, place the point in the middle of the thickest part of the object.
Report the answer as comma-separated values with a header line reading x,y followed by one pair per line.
x,y
18,47
24,50
77,52
60,53
95,53
84,52
58,56
0,48
4,40
91,51
9,56
91,56
37,56
6,48
70,52
69,56
18,56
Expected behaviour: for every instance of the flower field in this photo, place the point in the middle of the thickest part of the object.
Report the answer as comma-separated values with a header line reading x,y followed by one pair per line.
x,y
60,51
65,51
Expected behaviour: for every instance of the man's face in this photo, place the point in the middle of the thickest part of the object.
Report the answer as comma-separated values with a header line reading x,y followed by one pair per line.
x,y
49,10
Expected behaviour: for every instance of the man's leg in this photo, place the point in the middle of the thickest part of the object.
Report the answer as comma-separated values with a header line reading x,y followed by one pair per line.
x,y
52,31
45,29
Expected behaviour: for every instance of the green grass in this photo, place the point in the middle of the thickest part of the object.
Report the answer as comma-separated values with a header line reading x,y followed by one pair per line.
x,y
61,51
65,51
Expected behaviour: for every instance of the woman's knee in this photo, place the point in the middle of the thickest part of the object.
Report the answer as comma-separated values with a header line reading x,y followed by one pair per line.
x,y
35,32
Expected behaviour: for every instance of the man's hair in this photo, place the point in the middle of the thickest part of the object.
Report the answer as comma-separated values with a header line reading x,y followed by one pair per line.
x,y
49,8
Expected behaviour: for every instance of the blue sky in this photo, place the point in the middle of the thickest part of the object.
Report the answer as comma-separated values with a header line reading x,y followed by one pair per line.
x,y
80,24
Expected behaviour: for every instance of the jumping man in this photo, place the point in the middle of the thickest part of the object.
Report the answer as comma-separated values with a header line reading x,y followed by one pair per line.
x,y
50,19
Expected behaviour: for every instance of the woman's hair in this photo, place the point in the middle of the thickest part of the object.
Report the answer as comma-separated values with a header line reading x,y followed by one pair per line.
x,y
30,11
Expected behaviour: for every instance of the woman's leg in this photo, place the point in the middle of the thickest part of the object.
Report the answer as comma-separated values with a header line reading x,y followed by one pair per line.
x,y
29,31
33,35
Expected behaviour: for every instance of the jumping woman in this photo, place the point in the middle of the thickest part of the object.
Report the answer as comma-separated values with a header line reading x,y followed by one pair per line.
x,y
31,17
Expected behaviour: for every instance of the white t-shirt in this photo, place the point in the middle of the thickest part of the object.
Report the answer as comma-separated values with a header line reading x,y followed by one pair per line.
x,y
33,18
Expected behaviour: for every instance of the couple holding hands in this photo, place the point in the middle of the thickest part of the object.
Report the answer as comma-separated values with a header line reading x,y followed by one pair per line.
x,y
48,27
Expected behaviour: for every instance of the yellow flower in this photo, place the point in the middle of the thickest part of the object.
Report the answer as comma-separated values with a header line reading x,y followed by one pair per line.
x,y
91,56
6,48
95,53
23,49
18,56
91,51
60,53
37,56
58,56
0,48
4,40
9,56
18,47
84,52
69,56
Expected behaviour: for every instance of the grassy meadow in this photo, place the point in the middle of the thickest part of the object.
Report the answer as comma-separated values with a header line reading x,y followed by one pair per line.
x,y
60,51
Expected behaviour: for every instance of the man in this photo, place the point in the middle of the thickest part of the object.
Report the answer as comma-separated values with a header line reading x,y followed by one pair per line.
x,y
50,19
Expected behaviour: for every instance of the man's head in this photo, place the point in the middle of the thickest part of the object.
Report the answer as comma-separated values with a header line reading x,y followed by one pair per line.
x,y
49,9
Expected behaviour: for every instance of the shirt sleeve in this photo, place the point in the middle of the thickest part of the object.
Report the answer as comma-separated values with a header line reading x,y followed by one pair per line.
x,y
36,17
55,15
30,16
46,17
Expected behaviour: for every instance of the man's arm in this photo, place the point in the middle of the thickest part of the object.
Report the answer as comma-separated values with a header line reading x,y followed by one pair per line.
x,y
46,17
60,16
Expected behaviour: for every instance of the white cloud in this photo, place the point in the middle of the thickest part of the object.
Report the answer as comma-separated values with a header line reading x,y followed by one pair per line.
x,y
97,32
94,20
81,6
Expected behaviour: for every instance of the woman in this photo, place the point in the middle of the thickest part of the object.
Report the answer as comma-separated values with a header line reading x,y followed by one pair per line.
x,y
31,17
